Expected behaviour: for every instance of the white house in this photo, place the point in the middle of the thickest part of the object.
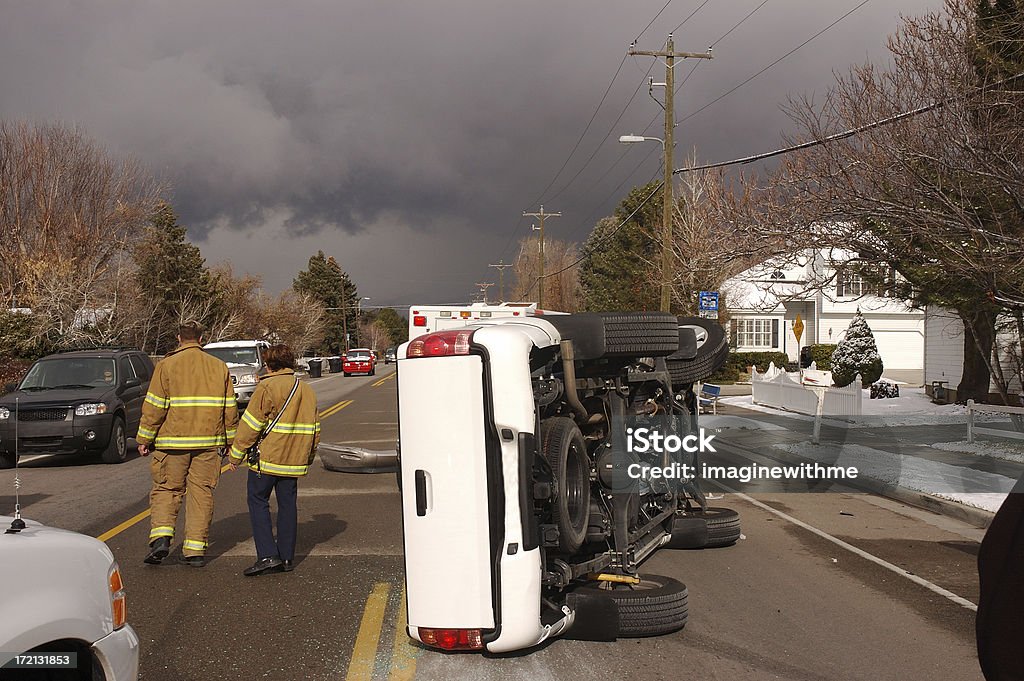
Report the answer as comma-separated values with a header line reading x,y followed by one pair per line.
x,y
765,302
944,353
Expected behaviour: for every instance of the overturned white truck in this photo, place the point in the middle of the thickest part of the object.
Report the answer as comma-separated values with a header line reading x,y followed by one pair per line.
x,y
525,514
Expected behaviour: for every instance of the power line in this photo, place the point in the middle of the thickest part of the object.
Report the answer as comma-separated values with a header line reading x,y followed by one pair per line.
x,y
798,47
689,16
651,22
721,38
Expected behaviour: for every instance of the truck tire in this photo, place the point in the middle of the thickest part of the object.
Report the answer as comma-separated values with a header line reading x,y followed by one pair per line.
x,y
657,605
712,352
705,530
640,334
117,448
563,446
618,334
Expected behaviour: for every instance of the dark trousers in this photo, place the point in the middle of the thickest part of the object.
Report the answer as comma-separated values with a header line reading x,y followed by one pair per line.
x,y
286,489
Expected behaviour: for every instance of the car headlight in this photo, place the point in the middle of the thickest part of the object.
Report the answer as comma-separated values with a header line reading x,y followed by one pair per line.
x,y
5,413
90,409
247,379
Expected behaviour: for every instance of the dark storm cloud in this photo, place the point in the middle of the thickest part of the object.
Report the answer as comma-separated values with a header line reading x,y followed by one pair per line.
x,y
329,118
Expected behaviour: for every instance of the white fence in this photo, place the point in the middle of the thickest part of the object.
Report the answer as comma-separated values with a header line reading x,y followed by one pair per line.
x,y
775,388
972,430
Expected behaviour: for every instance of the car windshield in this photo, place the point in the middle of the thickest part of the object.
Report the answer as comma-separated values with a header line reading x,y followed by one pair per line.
x,y
239,355
70,373
358,355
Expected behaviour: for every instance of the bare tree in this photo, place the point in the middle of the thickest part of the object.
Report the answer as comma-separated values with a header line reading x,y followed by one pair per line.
x,y
937,195
296,319
561,279
68,211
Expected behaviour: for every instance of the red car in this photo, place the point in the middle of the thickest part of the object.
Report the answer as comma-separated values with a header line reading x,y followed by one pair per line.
x,y
359,361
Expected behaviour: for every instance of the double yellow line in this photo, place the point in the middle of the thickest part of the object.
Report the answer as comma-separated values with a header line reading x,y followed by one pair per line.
x,y
386,378
334,408
134,520
365,650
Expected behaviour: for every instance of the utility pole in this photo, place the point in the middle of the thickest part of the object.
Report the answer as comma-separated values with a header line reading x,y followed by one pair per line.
x,y
483,286
541,215
670,56
501,266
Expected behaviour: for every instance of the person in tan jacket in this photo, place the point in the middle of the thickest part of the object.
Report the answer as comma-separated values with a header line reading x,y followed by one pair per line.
x,y
288,441
188,419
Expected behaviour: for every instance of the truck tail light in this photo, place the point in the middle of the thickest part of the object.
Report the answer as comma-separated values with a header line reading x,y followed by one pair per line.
x,y
452,639
118,601
440,344
419,320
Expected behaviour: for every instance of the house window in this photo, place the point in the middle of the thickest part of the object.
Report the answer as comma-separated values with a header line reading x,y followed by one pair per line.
x,y
852,284
757,333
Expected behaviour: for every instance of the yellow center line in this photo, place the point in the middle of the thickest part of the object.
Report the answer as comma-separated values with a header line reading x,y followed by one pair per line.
x,y
364,652
335,408
403,655
386,378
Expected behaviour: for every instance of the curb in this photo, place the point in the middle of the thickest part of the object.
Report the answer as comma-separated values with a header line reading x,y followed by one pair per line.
x,y
978,517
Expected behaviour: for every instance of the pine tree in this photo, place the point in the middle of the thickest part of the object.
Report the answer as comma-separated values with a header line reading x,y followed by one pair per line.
x,y
170,270
855,354
616,275
326,282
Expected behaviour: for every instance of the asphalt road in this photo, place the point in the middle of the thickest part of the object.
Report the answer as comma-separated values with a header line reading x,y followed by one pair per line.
x,y
819,587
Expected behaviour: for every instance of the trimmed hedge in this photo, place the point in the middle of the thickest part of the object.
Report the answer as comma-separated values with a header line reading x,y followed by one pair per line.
x,y
738,362
821,353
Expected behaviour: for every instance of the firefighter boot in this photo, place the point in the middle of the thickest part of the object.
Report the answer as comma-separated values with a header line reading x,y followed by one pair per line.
x,y
158,550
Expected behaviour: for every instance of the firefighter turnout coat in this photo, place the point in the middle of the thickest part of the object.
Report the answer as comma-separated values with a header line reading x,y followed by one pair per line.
x,y
191,404
289,448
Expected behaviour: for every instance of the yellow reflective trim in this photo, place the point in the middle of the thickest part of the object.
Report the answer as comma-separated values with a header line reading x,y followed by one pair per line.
x,y
231,434
198,441
158,402
251,421
194,545
279,469
146,432
162,531
237,453
294,428
199,401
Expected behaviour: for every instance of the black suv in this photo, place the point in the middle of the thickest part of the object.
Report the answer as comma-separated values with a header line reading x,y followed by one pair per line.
x,y
72,402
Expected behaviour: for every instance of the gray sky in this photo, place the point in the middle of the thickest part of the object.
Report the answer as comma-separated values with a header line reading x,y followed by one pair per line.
x,y
406,138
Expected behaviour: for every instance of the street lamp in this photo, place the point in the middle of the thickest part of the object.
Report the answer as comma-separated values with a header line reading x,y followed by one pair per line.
x,y
666,239
359,312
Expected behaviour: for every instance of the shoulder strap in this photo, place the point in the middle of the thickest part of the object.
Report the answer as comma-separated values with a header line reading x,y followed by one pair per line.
x,y
283,407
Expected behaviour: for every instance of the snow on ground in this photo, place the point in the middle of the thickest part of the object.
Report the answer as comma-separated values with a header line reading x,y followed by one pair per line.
x,y
912,408
957,483
995,449
723,421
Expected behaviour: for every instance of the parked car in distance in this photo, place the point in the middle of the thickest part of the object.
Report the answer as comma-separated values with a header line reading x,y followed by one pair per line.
x,y
245,362
359,361
390,355
63,594
74,402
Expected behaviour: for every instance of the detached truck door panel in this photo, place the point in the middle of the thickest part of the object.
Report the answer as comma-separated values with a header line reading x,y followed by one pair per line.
x,y
445,506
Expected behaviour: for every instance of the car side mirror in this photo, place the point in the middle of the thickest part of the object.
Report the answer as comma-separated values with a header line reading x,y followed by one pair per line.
x,y
133,382
10,387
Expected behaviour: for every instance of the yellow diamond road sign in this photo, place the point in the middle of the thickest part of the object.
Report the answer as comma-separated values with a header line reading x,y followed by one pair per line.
x,y
798,328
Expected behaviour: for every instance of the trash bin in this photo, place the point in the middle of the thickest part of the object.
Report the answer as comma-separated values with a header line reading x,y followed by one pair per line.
x,y
335,363
315,367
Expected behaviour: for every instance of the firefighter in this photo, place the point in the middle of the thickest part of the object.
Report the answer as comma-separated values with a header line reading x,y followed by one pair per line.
x,y
188,419
282,418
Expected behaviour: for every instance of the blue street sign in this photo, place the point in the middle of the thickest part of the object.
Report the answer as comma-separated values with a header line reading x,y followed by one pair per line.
x,y
707,301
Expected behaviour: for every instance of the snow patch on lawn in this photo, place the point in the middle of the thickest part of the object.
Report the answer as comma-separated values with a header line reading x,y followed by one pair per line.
x,y
996,450
957,483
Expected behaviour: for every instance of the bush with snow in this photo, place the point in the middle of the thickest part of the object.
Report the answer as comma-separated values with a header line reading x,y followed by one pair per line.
x,y
855,354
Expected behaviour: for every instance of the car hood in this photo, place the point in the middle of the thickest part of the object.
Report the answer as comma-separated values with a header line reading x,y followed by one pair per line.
x,y
31,399
37,536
